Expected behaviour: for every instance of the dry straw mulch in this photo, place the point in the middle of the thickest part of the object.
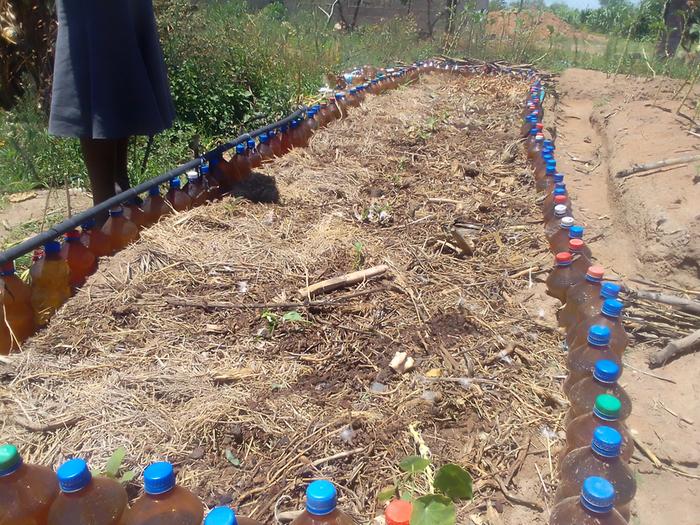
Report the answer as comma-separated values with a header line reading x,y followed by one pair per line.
x,y
169,350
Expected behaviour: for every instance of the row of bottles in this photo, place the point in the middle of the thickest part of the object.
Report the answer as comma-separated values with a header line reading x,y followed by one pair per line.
x,y
60,269
35,495
596,484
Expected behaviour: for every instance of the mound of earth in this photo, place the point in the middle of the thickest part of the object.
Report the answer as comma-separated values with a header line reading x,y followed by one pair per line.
x,y
507,23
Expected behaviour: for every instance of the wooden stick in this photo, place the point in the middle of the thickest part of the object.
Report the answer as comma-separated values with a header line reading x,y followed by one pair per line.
x,y
637,168
687,305
48,427
342,281
686,344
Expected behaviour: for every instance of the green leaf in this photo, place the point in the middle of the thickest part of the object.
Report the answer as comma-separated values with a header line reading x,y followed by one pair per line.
x,y
386,494
115,462
454,482
407,495
292,316
433,509
231,458
127,477
413,464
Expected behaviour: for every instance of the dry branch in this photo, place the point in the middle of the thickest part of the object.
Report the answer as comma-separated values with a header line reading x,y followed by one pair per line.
x,y
638,168
342,281
680,346
687,305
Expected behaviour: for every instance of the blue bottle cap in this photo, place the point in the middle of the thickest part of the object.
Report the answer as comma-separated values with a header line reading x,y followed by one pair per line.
x,y
534,130
597,495
548,143
559,191
284,128
321,498
316,107
52,247
271,134
576,232
264,138
73,475
310,113
251,144
610,290
204,169
221,516
611,308
158,478
119,211
240,149
551,167
175,183
559,178
606,442
89,224
599,335
547,156
338,96
606,371
294,124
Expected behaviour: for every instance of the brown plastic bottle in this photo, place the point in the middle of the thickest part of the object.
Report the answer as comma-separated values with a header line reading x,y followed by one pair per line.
x,y
154,207
606,411
196,188
535,149
121,231
310,125
559,240
264,148
321,506
242,162
604,380
553,225
546,179
254,158
227,516
297,135
86,500
593,507
333,109
95,240
341,104
592,308
50,283
561,278
177,197
609,316
163,501
580,294
285,139
351,98
17,299
559,200
26,491
324,115
581,257
81,261
581,360
212,185
134,213
275,143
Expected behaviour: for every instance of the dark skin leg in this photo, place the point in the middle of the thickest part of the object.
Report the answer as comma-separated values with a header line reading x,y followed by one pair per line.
x,y
121,175
105,160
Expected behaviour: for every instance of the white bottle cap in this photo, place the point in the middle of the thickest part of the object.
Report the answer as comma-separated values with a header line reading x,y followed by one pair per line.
x,y
560,210
567,222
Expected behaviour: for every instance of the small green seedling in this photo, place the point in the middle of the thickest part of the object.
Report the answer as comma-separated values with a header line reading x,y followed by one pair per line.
x,y
113,467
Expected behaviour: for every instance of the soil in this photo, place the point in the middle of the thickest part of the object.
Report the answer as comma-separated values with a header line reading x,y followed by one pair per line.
x,y
507,23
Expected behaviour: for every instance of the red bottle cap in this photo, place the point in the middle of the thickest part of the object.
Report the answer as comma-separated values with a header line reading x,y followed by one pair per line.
x,y
560,199
596,272
73,234
576,245
563,257
539,126
398,512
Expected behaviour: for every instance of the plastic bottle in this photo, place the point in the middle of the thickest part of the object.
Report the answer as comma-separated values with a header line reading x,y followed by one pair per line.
x,y
550,170
196,188
593,507
609,316
298,135
95,240
559,198
226,516
154,207
241,162
211,183
604,380
81,261
553,225
559,240
275,143
311,122
581,293
553,182
581,359
177,197
324,115
86,500
134,213
321,506
591,308
121,231
285,139
26,491
19,315
333,109
606,411
342,106
548,202
50,283
254,158
163,501
582,258
561,278
602,459
398,512
528,123
264,149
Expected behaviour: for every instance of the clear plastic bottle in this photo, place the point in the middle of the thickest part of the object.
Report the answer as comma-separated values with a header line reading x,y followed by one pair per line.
x,y
398,512
609,316
606,411
592,308
559,241
581,293
196,189
86,500
536,150
593,507
50,283
95,240
26,491
163,501
212,185
581,359
120,230
19,315
321,506
561,278
227,516
602,459
134,213
604,380
81,261
544,182
254,158
154,207
264,148
560,199
553,225
177,197
582,257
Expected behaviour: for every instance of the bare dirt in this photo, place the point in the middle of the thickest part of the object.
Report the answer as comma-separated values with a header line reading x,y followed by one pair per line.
x,y
537,24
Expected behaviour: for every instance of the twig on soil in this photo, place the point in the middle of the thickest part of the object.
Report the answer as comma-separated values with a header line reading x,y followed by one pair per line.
x,y
675,348
660,378
647,452
342,281
687,305
47,427
638,168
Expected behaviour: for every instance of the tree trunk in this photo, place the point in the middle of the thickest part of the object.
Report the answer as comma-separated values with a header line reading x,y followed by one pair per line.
x,y
675,18
354,15
450,8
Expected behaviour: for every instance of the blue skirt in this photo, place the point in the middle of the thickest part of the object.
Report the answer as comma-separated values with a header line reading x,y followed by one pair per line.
x,y
110,79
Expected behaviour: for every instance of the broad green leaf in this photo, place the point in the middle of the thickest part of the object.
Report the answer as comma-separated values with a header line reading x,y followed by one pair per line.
x,y
127,477
433,509
407,495
386,494
231,457
454,482
292,316
414,464
115,462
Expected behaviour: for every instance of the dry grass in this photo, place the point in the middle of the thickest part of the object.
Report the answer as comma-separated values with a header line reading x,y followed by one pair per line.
x,y
166,354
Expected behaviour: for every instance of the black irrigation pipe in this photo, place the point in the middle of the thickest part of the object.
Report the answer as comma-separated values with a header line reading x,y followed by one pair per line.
x,y
77,220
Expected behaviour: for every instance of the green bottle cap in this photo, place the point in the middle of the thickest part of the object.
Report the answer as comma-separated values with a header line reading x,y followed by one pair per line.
x,y
607,407
9,459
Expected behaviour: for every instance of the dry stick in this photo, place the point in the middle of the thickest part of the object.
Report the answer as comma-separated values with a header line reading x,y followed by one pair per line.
x,y
687,305
48,427
637,168
693,80
680,346
342,281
